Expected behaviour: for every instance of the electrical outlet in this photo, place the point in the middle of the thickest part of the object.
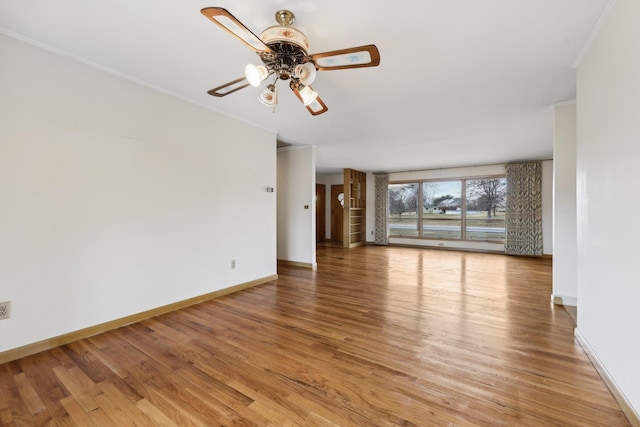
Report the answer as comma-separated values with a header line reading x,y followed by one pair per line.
x,y
5,310
233,264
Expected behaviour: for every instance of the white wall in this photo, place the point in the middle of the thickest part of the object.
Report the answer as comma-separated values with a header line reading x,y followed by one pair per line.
x,y
116,199
608,151
296,189
565,251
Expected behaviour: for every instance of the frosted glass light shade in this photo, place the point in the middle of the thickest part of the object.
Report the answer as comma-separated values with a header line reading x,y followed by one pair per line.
x,y
306,73
308,95
268,96
255,74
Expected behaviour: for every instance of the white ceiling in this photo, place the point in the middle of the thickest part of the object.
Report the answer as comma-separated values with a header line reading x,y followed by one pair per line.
x,y
460,82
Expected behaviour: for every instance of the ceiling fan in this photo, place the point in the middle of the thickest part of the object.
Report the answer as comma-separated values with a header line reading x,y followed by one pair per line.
x,y
284,51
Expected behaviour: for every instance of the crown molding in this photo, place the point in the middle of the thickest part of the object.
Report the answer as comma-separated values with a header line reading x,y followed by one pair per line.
x,y
594,33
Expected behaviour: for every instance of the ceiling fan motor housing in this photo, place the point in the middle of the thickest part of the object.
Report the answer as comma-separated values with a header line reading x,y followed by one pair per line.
x,y
289,45
283,34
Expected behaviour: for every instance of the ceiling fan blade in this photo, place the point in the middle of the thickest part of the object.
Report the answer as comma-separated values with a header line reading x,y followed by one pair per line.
x,y
227,21
316,107
355,57
230,87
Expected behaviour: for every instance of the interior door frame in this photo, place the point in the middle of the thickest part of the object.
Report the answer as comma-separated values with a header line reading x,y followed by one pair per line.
x,y
321,226
337,213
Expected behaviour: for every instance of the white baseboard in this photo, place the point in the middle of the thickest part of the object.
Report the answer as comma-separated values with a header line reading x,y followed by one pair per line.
x,y
625,405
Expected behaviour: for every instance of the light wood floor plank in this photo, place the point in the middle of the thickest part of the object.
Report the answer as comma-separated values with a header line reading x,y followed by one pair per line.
x,y
377,336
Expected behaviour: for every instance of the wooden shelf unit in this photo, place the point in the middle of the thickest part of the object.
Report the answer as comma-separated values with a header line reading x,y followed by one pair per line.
x,y
355,208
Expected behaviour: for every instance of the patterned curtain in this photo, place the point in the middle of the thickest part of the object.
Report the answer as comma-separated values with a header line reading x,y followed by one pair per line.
x,y
524,209
381,214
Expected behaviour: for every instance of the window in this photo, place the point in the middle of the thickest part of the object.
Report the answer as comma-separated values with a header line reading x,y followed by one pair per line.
x,y
403,209
442,209
461,209
485,208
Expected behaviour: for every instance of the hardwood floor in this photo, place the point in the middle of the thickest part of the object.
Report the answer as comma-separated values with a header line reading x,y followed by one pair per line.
x,y
376,336
573,313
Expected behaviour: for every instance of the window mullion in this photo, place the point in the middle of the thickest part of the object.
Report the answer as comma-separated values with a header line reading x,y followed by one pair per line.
x,y
419,208
463,207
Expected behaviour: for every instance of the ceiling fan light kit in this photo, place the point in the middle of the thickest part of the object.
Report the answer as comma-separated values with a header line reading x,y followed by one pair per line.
x,y
268,96
306,73
255,74
308,95
284,52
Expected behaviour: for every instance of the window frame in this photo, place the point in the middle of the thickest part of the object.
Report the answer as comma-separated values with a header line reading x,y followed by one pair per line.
x,y
463,207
